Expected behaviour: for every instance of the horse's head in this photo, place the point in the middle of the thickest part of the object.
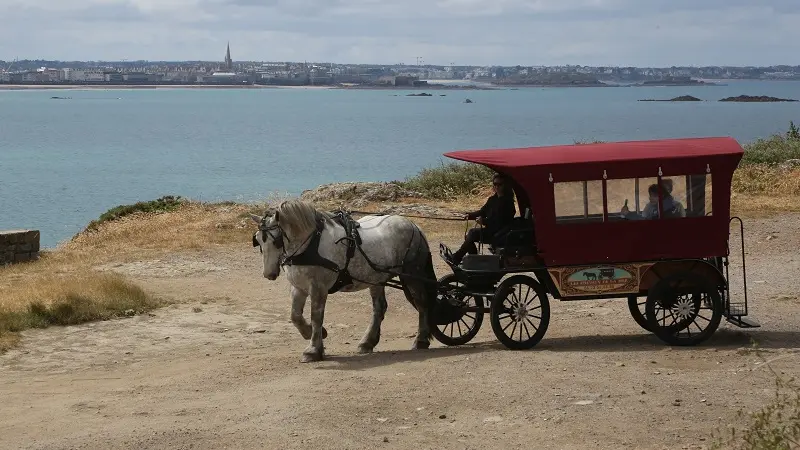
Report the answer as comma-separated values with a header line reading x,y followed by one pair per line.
x,y
270,240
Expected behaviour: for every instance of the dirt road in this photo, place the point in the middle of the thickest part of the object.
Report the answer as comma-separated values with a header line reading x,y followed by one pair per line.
x,y
220,369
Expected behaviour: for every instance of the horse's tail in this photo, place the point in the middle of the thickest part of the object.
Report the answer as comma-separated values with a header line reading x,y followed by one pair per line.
x,y
428,282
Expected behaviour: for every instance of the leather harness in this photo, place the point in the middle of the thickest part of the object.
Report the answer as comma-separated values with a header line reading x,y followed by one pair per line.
x,y
311,257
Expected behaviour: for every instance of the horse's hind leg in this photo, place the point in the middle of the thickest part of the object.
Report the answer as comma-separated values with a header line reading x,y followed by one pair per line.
x,y
418,293
315,351
373,333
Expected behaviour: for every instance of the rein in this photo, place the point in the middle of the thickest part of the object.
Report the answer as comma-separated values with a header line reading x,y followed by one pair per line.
x,y
368,213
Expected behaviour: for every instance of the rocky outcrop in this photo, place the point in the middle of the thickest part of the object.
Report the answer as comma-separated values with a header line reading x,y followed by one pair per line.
x,y
358,194
421,94
790,164
756,98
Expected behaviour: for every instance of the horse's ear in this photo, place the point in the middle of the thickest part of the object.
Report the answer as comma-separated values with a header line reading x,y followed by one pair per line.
x,y
255,218
276,216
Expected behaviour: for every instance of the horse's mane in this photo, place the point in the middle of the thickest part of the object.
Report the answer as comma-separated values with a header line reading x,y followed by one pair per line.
x,y
299,218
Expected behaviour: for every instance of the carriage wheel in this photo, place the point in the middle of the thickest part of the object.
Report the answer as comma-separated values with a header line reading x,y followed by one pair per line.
x,y
520,312
683,309
636,306
468,324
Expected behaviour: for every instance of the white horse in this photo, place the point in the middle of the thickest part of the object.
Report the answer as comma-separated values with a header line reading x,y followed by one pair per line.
x,y
319,258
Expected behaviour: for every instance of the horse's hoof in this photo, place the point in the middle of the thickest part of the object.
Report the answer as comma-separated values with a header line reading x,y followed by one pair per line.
x,y
311,357
363,349
421,345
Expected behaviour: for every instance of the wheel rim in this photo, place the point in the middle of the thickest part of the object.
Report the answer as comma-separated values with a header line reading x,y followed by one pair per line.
x,y
521,314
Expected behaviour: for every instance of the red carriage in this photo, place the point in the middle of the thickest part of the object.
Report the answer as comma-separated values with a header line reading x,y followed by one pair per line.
x,y
589,228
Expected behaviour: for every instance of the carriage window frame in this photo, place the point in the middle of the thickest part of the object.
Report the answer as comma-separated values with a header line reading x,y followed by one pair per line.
x,y
690,197
593,211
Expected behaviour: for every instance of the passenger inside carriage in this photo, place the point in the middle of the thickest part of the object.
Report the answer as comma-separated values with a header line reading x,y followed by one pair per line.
x,y
672,207
496,214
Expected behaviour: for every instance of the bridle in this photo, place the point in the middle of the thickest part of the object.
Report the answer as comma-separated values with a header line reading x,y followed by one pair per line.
x,y
277,239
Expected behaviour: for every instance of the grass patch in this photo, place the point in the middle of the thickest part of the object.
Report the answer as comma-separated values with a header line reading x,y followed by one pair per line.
x,y
764,179
161,205
67,300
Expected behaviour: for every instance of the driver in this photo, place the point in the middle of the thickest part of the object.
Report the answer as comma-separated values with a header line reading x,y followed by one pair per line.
x,y
497,213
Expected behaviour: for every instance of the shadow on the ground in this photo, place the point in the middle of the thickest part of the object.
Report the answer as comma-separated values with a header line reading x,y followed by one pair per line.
x,y
724,339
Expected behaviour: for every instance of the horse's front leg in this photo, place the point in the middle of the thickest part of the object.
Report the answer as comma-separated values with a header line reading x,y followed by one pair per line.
x,y
316,349
373,334
298,304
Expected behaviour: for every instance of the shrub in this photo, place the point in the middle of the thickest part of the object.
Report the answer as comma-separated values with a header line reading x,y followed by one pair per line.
x,y
163,204
775,149
449,180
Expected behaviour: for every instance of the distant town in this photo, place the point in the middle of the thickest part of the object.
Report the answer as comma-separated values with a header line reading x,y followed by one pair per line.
x,y
251,73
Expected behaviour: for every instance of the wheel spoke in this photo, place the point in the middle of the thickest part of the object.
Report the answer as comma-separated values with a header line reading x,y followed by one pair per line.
x,y
535,328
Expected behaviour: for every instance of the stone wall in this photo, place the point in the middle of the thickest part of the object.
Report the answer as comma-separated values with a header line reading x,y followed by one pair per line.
x,y
19,246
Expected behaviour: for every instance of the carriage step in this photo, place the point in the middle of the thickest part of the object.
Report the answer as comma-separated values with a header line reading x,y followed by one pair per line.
x,y
742,322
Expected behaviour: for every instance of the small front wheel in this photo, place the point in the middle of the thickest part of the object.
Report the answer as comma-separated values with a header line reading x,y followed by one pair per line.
x,y
520,312
636,306
461,326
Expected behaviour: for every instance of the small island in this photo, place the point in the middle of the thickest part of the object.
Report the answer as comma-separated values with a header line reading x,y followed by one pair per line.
x,y
756,99
682,98
421,94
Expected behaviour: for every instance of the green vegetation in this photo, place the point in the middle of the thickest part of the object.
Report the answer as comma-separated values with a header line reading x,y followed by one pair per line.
x,y
775,149
776,426
449,180
163,204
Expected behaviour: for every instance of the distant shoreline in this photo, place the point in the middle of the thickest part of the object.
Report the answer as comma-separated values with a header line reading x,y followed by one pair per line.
x,y
94,87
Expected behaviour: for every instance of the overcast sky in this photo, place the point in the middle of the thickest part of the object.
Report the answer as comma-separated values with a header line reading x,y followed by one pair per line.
x,y
503,32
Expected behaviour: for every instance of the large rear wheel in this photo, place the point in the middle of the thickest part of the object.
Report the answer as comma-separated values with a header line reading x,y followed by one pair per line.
x,y
520,312
683,309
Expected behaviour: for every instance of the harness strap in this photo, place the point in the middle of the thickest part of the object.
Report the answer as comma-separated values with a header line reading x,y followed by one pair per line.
x,y
311,256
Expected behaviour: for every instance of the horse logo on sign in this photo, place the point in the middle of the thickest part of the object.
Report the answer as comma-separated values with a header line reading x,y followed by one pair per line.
x,y
590,280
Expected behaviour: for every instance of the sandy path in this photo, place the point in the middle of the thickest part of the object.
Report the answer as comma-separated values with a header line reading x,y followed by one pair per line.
x,y
227,375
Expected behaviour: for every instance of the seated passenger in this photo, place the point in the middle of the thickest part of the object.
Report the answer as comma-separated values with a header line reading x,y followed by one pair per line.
x,y
672,207
497,213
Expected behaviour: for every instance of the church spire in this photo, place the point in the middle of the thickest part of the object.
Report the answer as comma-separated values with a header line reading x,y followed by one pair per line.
x,y
228,61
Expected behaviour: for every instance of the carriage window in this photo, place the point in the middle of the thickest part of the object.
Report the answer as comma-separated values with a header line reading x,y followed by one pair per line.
x,y
682,195
698,195
630,193
579,201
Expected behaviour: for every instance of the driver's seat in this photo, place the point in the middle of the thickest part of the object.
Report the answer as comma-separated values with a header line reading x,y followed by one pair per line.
x,y
518,235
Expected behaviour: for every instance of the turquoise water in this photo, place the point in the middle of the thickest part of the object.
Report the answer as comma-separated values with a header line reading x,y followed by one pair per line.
x,y
64,162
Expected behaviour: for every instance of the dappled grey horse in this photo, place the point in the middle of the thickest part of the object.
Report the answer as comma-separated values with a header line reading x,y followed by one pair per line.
x,y
323,253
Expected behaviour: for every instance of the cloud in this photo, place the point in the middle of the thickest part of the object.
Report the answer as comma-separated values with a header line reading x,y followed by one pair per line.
x,y
527,32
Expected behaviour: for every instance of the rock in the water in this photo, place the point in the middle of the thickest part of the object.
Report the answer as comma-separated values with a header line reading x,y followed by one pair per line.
x,y
756,98
682,98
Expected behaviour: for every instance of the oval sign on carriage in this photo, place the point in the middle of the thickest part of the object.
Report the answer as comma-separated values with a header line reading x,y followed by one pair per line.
x,y
597,279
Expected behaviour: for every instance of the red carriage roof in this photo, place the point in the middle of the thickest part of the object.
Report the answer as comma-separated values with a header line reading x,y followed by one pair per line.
x,y
663,149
